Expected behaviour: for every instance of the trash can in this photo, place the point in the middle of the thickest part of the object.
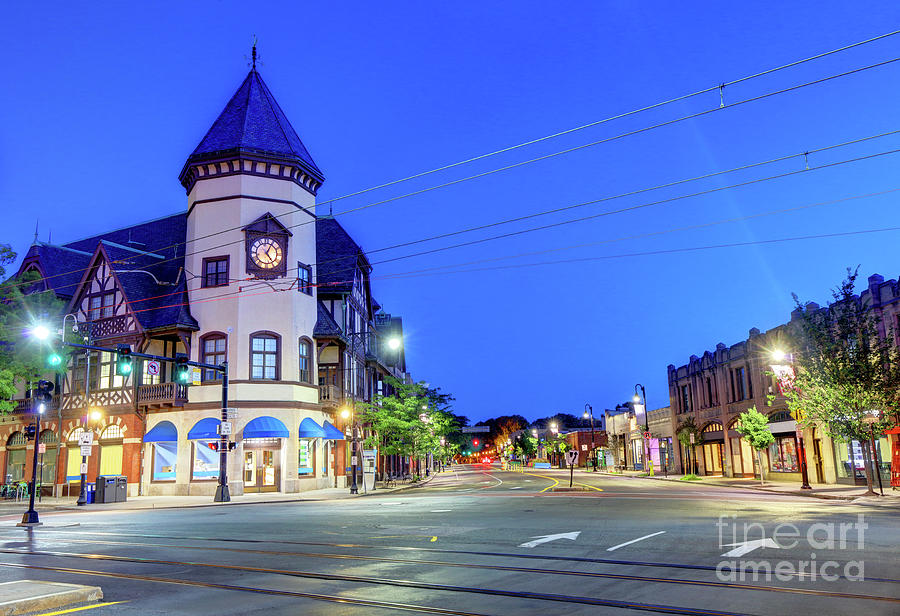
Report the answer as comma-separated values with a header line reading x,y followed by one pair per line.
x,y
90,492
106,490
121,488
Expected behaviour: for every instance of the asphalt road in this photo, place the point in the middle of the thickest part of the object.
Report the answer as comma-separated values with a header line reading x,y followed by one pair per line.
x,y
477,540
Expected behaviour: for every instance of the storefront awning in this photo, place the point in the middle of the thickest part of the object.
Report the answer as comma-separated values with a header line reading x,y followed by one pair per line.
x,y
205,429
332,433
163,432
310,429
265,427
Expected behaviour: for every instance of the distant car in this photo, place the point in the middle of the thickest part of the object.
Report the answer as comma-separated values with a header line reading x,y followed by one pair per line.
x,y
487,461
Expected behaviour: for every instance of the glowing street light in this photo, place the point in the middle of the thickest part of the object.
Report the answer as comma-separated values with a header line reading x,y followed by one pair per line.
x,y
40,332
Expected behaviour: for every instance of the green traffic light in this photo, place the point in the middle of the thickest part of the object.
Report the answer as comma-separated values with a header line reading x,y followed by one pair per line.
x,y
55,359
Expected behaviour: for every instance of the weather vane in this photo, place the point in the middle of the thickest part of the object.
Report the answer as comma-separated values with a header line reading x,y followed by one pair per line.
x,y
253,54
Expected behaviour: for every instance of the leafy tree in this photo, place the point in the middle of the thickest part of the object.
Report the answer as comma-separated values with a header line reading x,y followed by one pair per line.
x,y
687,427
525,445
22,304
753,426
558,444
847,370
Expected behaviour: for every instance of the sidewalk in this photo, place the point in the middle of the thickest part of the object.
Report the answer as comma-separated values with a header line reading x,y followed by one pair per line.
x,y
825,491
13,508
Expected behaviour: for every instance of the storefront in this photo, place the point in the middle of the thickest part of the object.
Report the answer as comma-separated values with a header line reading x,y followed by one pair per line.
x,y
783,456
713,448
163,439
310,435
262,462
203,439
742,455
850,461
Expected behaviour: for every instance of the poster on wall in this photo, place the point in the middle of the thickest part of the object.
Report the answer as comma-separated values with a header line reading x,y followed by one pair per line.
x,y
304,460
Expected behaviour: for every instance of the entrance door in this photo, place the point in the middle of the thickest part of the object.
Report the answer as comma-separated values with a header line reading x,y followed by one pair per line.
x,y
817,457
261,471
713,456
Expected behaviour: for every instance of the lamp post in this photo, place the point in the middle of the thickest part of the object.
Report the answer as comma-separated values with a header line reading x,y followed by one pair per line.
x,y
589,411
646,438
785,374
350,414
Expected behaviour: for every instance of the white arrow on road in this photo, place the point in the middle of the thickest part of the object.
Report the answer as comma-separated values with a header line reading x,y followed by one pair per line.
x,y
745,547
546,538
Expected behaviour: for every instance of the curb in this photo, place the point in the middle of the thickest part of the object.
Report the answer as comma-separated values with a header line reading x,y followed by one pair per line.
x,y
27,596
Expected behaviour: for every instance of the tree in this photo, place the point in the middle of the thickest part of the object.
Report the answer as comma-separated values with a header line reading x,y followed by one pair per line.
x,y
753,426
847,370
22,304
558,444
525,445
686,428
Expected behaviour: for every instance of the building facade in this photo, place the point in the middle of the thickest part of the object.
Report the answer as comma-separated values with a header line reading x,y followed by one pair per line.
x,y
247,275
713,389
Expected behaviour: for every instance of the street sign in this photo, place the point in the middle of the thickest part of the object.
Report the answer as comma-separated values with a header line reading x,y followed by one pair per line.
x,y
153,367
42,448
583,447
85,450
196,375
83,468
692,438
468,429
646,436
225,428
231,412
571,457
86,438
352,459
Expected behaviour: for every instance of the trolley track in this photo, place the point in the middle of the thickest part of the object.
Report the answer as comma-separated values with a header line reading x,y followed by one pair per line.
x,y
423,549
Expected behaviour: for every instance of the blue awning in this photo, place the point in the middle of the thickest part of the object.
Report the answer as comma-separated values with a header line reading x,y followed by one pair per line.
x,y
163,432
332,433
205,429
310,429
265,427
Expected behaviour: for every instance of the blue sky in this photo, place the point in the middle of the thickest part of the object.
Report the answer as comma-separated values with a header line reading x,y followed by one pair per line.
x,y
101,106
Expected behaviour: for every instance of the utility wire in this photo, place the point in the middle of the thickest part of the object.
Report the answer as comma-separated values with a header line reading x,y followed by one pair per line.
x,y
551,155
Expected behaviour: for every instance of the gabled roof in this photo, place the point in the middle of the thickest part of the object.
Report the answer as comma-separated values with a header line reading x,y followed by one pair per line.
x,y
326,326
337,257
60,267
253,122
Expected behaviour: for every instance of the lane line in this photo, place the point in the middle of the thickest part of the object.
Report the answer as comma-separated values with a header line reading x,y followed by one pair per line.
x,y
555,481
622,545
81,609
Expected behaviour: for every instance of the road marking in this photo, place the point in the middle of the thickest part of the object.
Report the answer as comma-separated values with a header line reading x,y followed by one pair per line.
x,y
555,481
545,538
622,545
81,609
441,510
516,488
433,538
745,547
391,503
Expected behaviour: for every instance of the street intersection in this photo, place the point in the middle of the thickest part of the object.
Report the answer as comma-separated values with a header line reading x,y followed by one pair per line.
x,y
479,540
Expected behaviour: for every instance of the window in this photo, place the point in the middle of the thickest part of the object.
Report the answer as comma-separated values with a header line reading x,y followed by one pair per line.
x,y
783,455
709,395
212,351
102,305
15,457
306,460
304,278
111,450
740,392
164,456
215,272
206,462
305,360
108,377
685,398
264,356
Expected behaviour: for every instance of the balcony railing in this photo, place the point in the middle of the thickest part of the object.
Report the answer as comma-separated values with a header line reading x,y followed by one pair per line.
x,y
162,394
26,405
331,395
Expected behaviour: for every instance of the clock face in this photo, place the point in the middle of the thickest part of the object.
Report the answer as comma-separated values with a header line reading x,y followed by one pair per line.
x,y
266,253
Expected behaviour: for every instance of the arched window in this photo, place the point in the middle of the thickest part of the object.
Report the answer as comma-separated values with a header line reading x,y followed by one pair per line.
x,y
15,457
213,347
265,356
305,360
49,437
48,469
75,434
111,450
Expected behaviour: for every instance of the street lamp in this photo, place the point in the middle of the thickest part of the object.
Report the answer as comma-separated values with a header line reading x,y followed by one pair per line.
x,y
40,332
646,438
347,414
785,374
589,412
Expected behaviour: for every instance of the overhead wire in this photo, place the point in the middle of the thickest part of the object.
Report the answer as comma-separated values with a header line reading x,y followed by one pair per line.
x,y
551,155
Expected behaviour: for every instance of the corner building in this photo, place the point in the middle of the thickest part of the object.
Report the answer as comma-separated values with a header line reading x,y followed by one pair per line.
x,y
233,279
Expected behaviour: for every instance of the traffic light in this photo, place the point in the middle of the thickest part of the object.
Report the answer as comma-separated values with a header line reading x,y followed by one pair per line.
x,y
475,442
30,431
182,370
214,445
124,360
55,358
44,393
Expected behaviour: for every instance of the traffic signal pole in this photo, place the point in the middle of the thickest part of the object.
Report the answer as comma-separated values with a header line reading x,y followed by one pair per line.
x,y
222,495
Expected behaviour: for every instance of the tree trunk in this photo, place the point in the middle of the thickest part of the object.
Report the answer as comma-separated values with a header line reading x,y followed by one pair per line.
x,y
759,460
867,462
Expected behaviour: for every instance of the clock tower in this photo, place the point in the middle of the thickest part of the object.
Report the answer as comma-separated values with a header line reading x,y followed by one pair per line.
x,y
251,187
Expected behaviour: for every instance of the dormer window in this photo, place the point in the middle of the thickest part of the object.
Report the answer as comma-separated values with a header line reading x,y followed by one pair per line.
x,y
102,305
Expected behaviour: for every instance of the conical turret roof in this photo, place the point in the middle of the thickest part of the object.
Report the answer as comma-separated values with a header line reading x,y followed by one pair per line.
x,y
253,123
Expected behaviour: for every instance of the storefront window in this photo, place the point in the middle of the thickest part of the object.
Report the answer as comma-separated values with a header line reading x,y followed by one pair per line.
x,y
783,455
637,453
206,461
306,457
164,455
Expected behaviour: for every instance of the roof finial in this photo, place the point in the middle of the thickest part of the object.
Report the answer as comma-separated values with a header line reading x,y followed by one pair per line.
x,y
35,231
254,52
